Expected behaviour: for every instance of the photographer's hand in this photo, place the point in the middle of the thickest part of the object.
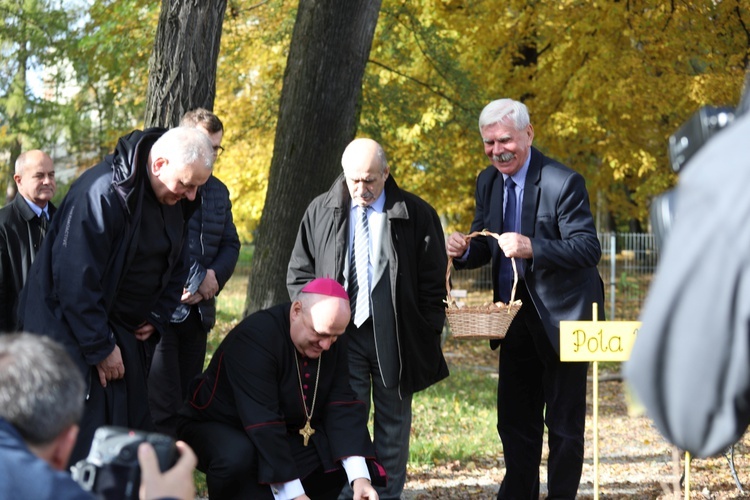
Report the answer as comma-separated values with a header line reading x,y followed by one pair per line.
x,y
177,482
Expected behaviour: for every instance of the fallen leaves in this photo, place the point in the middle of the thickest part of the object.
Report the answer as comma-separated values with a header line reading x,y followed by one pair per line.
x,y
634,460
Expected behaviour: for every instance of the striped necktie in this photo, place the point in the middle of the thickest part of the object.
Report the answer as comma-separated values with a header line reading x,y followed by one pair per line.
x,y
43,223
358,269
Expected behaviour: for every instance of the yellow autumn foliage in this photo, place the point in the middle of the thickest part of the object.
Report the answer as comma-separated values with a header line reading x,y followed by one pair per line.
x,y
606,83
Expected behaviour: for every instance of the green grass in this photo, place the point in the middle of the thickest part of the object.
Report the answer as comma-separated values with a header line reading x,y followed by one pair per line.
x,y
231,300
455,419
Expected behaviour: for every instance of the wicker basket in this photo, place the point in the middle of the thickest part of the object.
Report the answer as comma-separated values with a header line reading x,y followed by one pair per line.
x,y
489,321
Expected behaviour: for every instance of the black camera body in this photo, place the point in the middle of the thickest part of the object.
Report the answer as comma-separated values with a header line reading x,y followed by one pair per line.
x,y
683,144
111,469
694,133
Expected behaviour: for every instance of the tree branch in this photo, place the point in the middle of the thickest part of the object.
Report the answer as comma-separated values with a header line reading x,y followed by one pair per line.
x,y
429,87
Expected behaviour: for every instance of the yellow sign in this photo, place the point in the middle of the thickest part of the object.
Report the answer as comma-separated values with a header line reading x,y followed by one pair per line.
x,y
597,340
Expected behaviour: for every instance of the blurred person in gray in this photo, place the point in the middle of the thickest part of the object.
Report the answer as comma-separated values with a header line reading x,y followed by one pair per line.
x,y
112,267
690,364
41,401
23,224
214,248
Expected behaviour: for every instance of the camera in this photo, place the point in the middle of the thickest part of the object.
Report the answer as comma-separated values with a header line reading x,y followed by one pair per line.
x,y
111,469
683,144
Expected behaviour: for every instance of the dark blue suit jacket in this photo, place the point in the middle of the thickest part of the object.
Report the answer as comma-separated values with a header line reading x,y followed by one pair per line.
x,y
562,278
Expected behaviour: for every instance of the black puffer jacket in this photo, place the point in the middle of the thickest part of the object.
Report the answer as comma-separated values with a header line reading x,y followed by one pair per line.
x,y
214,244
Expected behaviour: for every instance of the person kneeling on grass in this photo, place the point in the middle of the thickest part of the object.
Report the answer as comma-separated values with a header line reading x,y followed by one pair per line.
x,y
273,415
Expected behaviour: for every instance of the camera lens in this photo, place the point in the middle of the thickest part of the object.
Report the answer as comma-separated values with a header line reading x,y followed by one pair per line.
x,y
127,454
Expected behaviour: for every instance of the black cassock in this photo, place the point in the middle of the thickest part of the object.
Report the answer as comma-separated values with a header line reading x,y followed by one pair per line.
x,y
252,383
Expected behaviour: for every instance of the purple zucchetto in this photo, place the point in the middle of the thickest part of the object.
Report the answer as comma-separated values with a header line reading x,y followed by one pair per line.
x,y
326,286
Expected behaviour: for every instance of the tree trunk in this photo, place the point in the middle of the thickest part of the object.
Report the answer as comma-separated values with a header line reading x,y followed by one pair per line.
x,y
317,119
15,107
182,70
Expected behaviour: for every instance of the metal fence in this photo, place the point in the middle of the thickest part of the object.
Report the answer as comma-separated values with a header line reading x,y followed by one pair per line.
x,y
626,267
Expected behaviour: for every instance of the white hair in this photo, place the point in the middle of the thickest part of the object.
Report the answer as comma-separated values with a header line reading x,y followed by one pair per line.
x,y
505,110
185,146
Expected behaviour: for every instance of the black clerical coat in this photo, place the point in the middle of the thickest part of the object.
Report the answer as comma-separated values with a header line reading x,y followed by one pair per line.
x,y
252,382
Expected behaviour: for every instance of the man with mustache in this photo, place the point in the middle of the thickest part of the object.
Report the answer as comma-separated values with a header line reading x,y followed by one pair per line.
x,y
23,224
541,210
387,246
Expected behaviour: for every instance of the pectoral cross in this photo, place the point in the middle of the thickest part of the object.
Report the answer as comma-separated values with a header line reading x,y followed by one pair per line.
x,y
306,432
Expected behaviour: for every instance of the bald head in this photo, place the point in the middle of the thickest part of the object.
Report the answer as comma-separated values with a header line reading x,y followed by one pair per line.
x,y
330,313
365,169
35,177
364,150
316,322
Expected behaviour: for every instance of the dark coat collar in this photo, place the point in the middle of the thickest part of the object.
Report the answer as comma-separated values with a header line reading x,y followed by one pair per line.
x,y
395,207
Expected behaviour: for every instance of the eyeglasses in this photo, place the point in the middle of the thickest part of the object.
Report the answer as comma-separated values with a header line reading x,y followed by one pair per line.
x,y
218,150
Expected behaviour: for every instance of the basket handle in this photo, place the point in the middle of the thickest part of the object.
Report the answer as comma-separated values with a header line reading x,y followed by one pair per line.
x,y
468,237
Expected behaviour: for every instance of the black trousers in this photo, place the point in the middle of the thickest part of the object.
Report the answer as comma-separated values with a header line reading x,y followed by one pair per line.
x,y
535,388
230,461
123,402
177,360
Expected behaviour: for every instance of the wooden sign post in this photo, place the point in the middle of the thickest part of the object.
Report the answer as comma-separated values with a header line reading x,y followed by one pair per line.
x,y
597,341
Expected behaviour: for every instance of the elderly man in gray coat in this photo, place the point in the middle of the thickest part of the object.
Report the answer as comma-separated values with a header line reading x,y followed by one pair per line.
x,y
387,247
